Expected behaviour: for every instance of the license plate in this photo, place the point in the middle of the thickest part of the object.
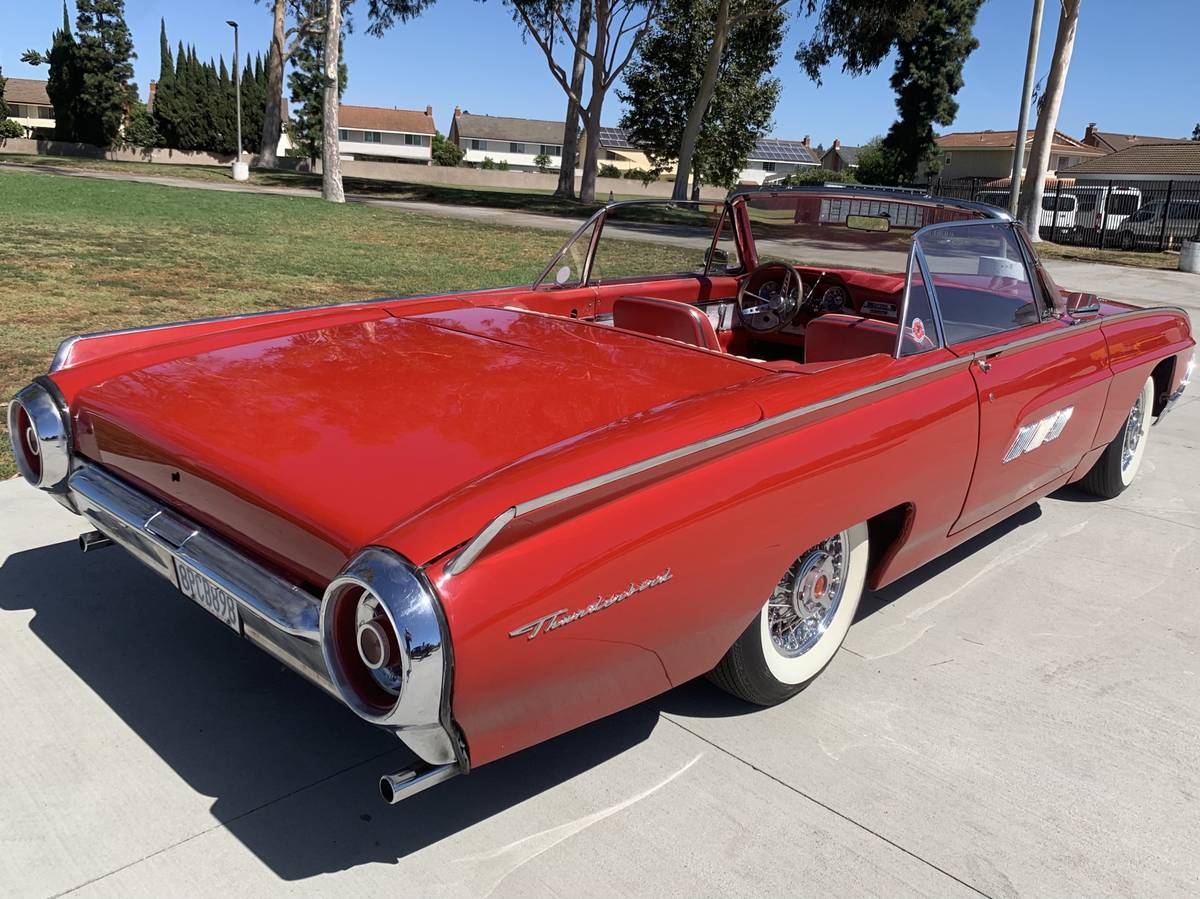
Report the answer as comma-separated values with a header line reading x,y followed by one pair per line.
x,y
207,594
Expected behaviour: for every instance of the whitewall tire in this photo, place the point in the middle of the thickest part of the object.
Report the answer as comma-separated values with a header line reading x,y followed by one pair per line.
x,y
1119,463
803,623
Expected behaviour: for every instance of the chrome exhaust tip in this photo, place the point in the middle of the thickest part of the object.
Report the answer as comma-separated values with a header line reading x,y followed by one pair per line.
x,y
403,784
93,540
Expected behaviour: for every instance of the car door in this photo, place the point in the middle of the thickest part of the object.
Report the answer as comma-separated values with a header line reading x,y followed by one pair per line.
x,y
1041,382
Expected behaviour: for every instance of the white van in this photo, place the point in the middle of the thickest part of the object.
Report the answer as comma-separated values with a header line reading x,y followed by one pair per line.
x,y
1099,207
1058,220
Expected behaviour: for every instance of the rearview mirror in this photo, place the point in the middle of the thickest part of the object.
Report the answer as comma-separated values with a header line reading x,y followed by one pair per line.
x,y
715,256
868,223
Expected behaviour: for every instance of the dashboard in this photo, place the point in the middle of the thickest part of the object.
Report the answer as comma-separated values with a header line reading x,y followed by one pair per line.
x,y
849,291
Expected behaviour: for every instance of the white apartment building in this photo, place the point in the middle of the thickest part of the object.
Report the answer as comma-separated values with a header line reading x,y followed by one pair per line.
x,y
28,103
379,134
502,139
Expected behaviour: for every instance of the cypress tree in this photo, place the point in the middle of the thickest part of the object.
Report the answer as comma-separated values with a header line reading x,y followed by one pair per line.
x,y
164,95
65,81
253,104
106,58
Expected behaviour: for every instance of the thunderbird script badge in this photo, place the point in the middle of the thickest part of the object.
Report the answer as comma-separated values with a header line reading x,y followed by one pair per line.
x,y
555,620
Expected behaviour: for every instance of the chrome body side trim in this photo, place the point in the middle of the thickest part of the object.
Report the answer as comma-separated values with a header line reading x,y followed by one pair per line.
x,y
471,551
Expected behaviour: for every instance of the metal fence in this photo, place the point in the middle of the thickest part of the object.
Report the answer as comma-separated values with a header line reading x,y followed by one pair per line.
x,y
1120,213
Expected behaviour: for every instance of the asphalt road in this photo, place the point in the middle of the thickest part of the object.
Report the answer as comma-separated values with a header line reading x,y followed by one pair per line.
x,y
1020,718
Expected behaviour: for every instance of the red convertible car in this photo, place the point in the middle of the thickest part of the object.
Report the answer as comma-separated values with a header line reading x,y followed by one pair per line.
x,y
483,519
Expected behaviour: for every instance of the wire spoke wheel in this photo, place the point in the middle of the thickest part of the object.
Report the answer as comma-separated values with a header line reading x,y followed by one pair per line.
x,y
804,620
806,600
1133,433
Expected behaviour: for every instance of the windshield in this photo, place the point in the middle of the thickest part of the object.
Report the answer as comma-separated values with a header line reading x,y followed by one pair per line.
x,y
837,230
644,239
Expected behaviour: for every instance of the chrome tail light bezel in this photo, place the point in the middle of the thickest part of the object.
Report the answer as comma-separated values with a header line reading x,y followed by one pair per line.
x,y
420,712
39,429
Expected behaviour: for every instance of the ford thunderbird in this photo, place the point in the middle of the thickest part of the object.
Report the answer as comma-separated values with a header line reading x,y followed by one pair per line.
x,y
483,519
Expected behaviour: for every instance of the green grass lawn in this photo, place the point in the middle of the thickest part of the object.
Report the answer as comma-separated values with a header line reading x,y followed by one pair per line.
x,y
79,255
524,199
1166,261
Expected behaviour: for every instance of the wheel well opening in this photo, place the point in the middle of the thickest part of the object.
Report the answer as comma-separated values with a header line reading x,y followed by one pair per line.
x,y
887,532
1163,374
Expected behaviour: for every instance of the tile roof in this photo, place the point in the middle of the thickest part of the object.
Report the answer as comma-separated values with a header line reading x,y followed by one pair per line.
x,y
1001,140
1178,158
26,90
495,127
377,118
774,150
1111,140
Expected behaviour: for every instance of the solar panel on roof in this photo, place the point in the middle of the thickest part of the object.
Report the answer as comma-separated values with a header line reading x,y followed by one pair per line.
x,y
615,138
781,151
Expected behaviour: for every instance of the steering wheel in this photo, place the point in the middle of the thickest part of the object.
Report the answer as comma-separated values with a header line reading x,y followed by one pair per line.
x,y
770,297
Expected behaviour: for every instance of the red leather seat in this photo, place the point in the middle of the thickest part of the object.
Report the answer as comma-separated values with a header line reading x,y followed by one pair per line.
x,y
836,336
666,318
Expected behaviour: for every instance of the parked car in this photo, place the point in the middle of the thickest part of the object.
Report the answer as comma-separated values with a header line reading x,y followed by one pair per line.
x,y
483,519
1147,226
1058,210
1102,209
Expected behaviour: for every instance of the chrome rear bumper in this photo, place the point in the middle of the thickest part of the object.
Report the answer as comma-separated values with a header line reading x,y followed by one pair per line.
x,y
277,616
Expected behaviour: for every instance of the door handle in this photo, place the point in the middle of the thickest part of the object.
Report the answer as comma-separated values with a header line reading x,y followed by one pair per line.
x,y
984,365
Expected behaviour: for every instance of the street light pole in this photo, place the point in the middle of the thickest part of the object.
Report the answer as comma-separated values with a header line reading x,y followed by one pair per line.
x,y
241,171
1035,33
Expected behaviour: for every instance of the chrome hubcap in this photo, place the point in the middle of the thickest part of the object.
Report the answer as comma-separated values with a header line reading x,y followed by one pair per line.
x,y
1133,433
806,600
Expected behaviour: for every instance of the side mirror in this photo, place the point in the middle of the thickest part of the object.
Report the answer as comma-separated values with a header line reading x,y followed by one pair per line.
x,y
715,256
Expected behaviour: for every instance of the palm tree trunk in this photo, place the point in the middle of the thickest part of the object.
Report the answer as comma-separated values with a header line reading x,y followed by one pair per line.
x,y
331,160
695,119
1029,211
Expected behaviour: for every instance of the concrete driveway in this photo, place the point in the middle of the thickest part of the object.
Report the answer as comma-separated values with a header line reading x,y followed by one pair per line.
x,y
1022,717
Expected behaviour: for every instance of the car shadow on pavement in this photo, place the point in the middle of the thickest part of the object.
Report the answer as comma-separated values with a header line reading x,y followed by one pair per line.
x,y
293,774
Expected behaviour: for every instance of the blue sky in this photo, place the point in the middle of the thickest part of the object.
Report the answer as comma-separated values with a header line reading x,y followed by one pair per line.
x,y
1133,71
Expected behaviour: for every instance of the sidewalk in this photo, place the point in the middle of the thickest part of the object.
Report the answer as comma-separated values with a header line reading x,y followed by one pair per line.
x,y
1135,285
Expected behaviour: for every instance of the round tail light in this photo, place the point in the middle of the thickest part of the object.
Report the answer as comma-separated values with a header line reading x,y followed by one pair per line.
x,y
363,651
387,650
40,437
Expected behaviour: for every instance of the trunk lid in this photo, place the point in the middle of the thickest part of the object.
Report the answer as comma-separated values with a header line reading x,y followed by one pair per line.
x,y
306,446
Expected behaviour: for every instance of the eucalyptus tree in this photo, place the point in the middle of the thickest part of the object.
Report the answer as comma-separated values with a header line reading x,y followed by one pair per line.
x,y
617,28
665,81
306,20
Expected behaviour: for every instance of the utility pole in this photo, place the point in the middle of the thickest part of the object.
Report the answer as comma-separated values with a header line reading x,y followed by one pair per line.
x,y
241,171
1035,34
